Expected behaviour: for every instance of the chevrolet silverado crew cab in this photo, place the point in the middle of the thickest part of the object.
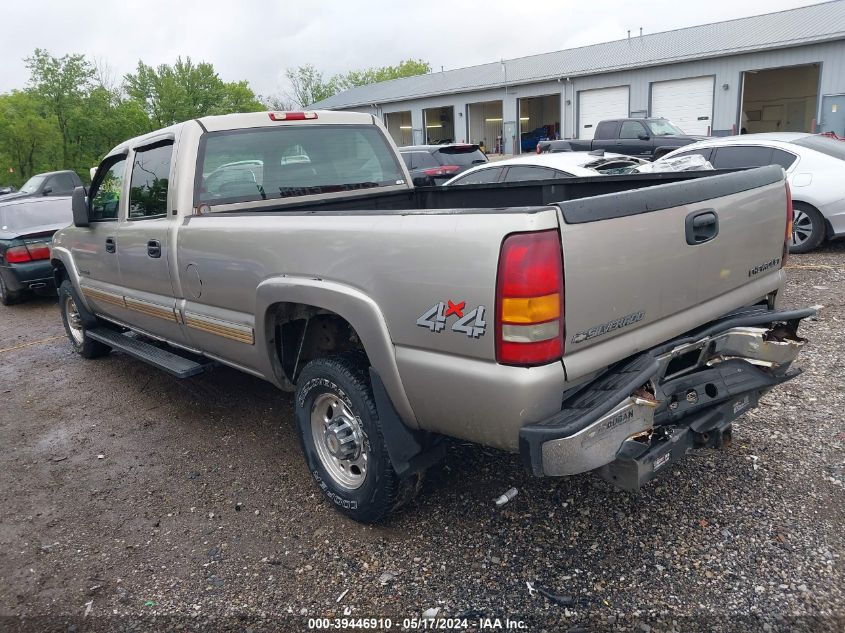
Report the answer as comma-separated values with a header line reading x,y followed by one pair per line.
x,y
603,324
643,138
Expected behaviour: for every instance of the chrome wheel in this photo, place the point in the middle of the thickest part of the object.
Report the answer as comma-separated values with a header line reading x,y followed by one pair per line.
x,y
802,227
74,321
339,441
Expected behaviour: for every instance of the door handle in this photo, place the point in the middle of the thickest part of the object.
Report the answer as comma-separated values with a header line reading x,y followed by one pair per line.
x,y
111,247
154,248
701,226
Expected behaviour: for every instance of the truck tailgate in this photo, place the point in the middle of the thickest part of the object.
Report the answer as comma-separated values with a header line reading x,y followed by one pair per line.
x,y
643,266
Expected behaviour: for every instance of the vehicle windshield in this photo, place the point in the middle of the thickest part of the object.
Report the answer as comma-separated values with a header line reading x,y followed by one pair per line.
x,y
22,218
824,144
664,127
285,162
461,156
32,185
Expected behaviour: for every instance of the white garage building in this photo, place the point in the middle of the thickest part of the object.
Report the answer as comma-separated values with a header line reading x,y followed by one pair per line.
x,y
779,71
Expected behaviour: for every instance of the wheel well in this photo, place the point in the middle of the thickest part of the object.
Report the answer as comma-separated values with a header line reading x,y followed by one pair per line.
x,y
59,272
299,333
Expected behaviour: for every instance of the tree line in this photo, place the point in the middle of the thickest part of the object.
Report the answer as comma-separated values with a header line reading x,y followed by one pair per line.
x,y
74,110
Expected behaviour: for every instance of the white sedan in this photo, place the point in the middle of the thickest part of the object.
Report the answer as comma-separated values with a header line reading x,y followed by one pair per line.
x,y
815,169
543,167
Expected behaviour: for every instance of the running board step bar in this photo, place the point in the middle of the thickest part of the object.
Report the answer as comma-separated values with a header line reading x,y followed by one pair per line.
x,y
181,366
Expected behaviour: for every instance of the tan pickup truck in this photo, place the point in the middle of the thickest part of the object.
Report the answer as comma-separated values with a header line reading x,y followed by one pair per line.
x,y
603,324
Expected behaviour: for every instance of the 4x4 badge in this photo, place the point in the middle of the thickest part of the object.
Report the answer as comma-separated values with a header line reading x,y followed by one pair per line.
x,y
472,323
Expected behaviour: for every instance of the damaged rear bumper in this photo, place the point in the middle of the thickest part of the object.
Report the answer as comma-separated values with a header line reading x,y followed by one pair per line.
x,y
648,411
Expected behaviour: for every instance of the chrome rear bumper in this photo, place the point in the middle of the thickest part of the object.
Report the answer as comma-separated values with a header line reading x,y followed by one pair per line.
x,y
738,355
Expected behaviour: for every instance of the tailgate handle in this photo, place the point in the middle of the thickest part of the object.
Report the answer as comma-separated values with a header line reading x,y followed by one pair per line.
x,y
702,226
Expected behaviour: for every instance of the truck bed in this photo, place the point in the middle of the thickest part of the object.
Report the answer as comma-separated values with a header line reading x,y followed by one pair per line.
x,y
501,197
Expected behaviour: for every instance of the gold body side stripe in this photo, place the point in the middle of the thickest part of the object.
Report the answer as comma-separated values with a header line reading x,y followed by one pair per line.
x,y
103,296
234,331
152,309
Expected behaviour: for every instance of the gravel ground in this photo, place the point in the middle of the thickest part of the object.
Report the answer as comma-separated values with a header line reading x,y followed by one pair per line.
x,y
134,501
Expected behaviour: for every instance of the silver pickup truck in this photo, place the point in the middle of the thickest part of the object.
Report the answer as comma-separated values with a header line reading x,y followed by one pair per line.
x,y
605,324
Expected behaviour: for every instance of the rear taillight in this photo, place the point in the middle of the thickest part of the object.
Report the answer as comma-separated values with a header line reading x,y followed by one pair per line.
x,y
443,170
18,254
529,300
537,149
28,253
38,250
790,214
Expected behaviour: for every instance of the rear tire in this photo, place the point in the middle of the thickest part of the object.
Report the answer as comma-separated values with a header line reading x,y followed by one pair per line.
x,y
77,320
808,229
341,438
7,297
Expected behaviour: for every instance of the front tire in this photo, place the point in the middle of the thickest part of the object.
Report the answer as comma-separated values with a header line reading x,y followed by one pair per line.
x,y
77,320
341,438
807,229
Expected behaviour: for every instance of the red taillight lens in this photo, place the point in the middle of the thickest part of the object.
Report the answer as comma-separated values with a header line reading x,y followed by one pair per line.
x,y
443,170
529,299
18,254
790,215
537,149
38,250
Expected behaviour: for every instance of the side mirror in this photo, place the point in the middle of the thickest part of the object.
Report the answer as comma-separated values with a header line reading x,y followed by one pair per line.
x,y
46,191
80,207
643,137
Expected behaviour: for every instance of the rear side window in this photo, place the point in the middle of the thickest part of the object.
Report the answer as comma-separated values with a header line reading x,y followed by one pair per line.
x,y
704,152
150,178
521,173
106,190
606,129
461,156
480,177
782,158
736,157
328,159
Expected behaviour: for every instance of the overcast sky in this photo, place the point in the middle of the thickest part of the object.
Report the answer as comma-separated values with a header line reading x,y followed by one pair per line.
x,y
257,40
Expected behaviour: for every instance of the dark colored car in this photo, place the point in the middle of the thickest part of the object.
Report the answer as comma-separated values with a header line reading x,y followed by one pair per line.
x,y
26,230
643,138
51,183
435,164
7,189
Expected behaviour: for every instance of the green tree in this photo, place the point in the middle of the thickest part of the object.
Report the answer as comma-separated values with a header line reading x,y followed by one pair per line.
x,y
307,85
183,91
29,137
405,68
62,83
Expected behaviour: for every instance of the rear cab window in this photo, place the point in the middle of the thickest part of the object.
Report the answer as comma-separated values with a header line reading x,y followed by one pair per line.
x,y
606,129
257,164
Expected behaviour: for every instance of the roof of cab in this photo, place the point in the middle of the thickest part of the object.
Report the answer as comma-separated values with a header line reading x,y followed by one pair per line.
x,y
262,119
245,120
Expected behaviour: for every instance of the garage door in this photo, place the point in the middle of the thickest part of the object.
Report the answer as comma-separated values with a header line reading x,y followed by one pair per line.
x,y
688,103
597,105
